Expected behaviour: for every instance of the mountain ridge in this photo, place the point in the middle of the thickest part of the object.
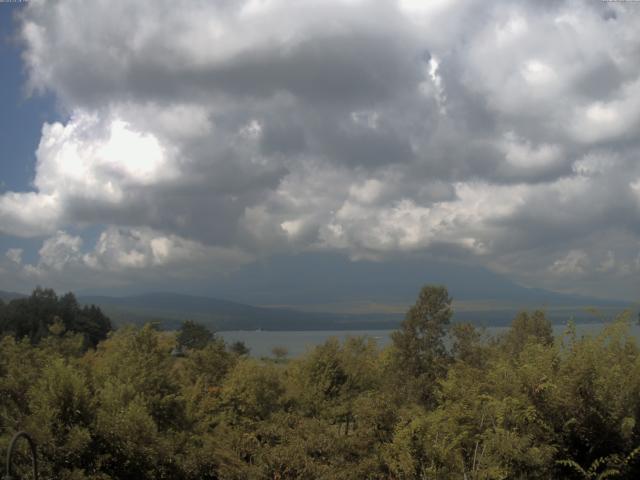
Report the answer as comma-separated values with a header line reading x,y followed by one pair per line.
x,y
384,292
8,296
172,308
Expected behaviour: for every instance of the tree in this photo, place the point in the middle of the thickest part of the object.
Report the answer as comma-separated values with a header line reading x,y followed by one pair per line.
x,y
527,327
420,353
239,348
252,391
61,417
194,335
33,316
467,344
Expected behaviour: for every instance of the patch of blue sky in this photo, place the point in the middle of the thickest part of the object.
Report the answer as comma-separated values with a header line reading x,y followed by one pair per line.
x,y
21,115
31,246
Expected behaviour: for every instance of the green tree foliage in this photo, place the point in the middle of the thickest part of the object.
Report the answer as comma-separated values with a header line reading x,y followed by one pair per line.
x,y
468,345
420,354
33,316
194,335
239,348
521,406
252,391
528,327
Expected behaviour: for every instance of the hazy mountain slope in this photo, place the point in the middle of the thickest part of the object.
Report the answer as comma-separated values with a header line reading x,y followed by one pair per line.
x,y
316,279
171,309
7,296
324,291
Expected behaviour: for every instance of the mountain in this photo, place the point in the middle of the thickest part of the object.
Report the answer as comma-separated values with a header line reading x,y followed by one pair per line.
x,y
330,279
322,291
171,309
8,296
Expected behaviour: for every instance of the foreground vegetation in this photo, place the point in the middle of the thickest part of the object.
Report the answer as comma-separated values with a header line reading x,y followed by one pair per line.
x,y
523,405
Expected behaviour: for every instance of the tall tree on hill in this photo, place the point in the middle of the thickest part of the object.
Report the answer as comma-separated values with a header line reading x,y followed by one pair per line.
x,y
419,351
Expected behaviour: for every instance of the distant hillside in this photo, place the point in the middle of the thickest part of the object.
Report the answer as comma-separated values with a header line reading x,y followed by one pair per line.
x,y
331,279
170,309
8,296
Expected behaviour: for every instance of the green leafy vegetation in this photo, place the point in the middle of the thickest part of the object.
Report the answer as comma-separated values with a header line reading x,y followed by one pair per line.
x,y
524,405
43,313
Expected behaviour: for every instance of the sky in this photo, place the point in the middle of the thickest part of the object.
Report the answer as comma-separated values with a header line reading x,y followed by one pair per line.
x,y
172,144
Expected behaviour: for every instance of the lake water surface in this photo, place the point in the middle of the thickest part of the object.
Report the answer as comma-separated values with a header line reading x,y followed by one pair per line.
x,y
298,342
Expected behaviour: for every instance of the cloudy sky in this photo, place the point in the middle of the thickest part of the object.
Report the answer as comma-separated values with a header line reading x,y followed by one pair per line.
x,y
159,143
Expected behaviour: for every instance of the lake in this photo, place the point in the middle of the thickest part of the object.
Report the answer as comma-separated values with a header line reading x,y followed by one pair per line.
x,y
298,342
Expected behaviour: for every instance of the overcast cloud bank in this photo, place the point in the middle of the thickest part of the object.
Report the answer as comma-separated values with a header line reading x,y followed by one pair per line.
x,y
203,135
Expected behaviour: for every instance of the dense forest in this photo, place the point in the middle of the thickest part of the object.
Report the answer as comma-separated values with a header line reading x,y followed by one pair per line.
x,y
443,401
44,313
